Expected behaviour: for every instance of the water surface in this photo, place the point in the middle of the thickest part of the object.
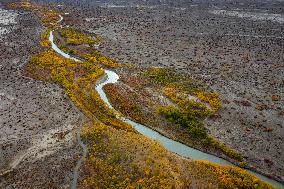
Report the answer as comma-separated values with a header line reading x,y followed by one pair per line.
x,y
169,144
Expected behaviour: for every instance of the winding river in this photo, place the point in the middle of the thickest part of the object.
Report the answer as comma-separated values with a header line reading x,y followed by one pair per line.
x,y
169,144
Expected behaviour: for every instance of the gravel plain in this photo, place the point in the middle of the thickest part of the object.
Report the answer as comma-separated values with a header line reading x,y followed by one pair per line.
x,y
38,147
234,48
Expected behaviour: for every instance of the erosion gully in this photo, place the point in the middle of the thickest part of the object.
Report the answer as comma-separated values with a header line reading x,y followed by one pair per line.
x,y
169,144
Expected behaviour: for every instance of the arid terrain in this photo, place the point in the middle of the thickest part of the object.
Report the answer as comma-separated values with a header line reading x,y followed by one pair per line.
x,y
37,120
233,48
239,56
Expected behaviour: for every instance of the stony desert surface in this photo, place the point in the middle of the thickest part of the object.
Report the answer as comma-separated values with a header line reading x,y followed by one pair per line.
x,y
38,122
234,48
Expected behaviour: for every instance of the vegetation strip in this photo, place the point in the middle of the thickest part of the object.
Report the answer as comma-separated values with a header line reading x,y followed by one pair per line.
x,y
119,157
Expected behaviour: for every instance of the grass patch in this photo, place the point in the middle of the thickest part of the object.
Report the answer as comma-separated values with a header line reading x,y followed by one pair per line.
x,y
175,83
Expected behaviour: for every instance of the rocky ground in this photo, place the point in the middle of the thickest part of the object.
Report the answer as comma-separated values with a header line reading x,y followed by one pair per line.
x,y
37,121
236,49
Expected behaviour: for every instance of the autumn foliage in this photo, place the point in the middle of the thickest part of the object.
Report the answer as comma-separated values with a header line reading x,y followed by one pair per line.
x,y
210,97
98,58
118,156
49,18
75,37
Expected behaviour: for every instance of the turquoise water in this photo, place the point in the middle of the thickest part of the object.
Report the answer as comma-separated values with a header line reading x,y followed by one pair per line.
x,y
169,144
59,51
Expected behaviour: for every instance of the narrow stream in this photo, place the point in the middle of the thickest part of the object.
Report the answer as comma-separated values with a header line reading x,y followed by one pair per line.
x,y
169,144
60,19
59,51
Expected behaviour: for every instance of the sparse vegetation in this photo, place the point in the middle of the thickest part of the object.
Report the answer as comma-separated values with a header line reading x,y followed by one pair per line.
x,y
49,18
163,76
119,157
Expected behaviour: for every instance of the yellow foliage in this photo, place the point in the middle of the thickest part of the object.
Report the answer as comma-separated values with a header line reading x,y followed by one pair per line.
x,y
98,58
229,177
171,92
44,39
191,112
117,154
48,17
25,5
74,37
117,160
79,80
213,98
186,104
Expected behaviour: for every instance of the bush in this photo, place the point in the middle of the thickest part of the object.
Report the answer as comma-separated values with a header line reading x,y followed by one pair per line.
x,y
187,119
97,57
213,98
163,76
74,37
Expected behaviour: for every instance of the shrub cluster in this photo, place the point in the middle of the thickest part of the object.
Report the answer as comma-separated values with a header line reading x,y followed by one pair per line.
x,y
98,58
213,98
75,37
48,17
118,156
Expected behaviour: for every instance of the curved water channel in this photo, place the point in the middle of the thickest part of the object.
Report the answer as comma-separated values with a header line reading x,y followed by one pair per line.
x,y
169,144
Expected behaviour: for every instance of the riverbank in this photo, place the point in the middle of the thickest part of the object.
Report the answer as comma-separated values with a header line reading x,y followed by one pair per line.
x,y
38,148
112,78
244,70
113,144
